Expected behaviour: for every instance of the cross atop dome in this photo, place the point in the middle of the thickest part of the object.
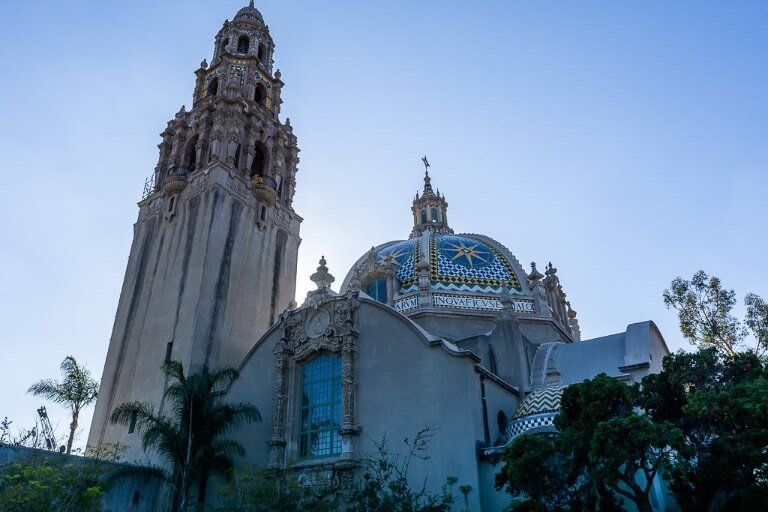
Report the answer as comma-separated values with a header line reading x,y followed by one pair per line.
x,y
429,209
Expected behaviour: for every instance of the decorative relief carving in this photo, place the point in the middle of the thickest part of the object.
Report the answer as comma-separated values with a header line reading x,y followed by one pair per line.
x,y
198,183
281,217
154,207
317,323
238,188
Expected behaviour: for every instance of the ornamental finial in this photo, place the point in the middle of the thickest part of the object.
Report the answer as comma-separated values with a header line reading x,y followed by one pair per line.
x,y
535,275
250,4
322,278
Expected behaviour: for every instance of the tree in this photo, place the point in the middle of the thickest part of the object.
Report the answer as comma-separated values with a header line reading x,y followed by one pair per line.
x,y
757,321
720,403
705,312
614,444
625,447
537,472
76,390
191,441
603,445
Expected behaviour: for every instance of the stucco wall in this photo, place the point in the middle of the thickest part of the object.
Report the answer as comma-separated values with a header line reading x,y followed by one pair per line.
x,y
404,383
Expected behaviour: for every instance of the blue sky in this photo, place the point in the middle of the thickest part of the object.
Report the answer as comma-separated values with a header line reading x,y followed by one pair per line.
x,y
626,142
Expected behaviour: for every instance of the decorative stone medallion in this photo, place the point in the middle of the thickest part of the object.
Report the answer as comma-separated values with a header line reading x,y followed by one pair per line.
x,y
317,323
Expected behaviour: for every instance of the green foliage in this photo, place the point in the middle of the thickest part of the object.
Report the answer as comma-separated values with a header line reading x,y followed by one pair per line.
x,y
705,312
76,390
536,468
583,406
192,440
252,489
601,447
112,452
720,403
50,485
385,486
23,437
623,447
702,422
756,320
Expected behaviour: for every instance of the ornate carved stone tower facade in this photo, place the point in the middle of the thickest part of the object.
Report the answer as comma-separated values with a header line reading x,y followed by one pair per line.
x,y
213,260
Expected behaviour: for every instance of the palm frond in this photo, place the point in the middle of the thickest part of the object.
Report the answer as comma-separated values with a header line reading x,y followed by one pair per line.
x,y
228,447
129,476
69,366
174,370
50,389
140,412
221,465
223,377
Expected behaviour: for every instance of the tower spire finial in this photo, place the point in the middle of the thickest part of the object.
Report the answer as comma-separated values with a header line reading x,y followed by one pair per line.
x,y
427,179
250,4
429,209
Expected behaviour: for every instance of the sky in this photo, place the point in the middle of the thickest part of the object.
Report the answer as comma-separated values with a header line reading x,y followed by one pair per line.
x,y
625,142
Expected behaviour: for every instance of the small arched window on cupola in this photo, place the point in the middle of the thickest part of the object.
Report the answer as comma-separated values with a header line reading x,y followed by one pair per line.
x,y
213,87
242,44
435,217
377,289
423,216
260,95
262,53
259,161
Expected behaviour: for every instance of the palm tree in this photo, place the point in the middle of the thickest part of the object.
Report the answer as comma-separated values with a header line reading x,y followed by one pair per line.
x,y
77,390
190,441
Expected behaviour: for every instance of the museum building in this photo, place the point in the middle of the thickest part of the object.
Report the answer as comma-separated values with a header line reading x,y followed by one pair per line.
x,y
441,329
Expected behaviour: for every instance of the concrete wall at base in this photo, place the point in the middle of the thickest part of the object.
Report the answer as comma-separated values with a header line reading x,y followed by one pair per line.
x,y
146,497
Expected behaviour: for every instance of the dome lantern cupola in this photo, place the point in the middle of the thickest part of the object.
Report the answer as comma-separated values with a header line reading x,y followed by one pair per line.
x,y
430,209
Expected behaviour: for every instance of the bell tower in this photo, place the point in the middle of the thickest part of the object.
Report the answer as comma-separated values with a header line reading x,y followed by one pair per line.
x,y
213,258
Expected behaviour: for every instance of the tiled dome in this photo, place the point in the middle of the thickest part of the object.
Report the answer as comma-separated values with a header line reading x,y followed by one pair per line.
x,y
536,412
457,262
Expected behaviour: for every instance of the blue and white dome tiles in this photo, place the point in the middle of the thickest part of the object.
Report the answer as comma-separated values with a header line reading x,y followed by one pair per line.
x,y
458,263
536,412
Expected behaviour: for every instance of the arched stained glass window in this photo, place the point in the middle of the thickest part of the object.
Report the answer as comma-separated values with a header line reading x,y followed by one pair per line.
x,y
377,289
320,416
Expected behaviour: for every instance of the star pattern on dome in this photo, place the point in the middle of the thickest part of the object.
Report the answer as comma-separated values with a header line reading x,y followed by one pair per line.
x,y
402,256
471,253
394,257
464,260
